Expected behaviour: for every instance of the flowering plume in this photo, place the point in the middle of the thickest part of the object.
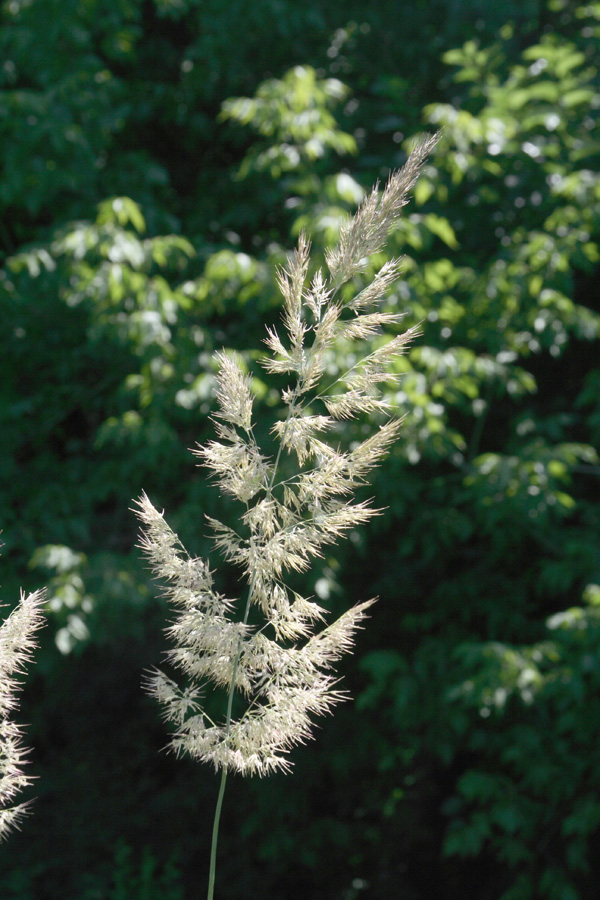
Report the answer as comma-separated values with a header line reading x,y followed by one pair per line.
x,y
283,670
16,643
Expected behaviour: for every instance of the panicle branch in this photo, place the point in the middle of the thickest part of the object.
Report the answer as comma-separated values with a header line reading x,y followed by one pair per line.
x,y
367,231
234,392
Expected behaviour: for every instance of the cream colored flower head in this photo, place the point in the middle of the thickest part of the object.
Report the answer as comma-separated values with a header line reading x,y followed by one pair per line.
x,y
279,674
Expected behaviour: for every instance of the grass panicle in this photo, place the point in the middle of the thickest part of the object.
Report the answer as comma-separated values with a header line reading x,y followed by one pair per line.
x,y
282,670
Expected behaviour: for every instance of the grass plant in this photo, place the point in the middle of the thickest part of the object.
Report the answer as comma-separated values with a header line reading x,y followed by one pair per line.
x,y
282,669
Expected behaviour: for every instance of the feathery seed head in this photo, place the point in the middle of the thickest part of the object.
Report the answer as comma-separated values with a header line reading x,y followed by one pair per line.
x,y
281,668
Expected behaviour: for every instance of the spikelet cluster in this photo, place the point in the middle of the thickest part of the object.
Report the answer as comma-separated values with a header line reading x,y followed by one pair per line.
x,y
16,643
283,669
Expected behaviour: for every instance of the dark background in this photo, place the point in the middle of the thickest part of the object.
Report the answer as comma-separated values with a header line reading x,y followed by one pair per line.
x,y
467,764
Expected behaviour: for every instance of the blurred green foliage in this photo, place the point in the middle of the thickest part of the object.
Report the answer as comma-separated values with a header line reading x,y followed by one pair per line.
x,y
153,177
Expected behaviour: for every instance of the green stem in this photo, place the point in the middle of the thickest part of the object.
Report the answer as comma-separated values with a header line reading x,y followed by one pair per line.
x,y
215,836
